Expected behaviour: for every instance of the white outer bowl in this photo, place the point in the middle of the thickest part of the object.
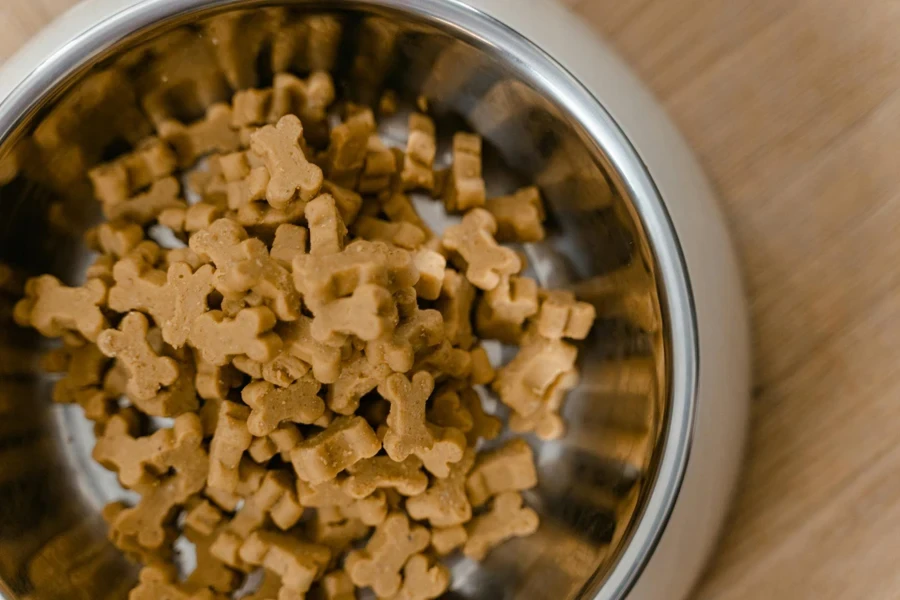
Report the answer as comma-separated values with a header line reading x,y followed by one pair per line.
x,y
721,416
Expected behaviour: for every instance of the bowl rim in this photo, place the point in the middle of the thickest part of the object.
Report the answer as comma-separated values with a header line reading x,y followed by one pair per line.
x,y
77,38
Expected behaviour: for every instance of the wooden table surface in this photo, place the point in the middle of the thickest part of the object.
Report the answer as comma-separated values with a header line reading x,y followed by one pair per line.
x,y
792,107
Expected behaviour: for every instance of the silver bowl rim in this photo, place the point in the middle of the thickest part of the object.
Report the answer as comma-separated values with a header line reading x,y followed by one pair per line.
x,y
475,25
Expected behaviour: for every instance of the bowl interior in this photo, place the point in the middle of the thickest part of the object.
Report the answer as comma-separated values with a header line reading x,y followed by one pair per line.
x,y
593,482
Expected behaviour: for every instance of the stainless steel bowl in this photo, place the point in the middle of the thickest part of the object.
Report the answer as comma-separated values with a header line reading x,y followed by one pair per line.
x,y
632,498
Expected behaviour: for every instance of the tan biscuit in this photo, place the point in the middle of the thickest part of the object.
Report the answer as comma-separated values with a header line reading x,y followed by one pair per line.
x,y
382,472
54,309
101,269
215,382
281,441
444,361
129,545
116,239
389,549
249,333
444,540
251,108
562,316
407,432
174,299
346,441
358,377
290,241
299,564
546,422
245,179
84,367
465,186
203,517
416,332
148,372
118,180
309,100
183,255
327,231
379,169
337,585
349,148
483,371
144,209
201,525
183,455
191,219
250,479
484,426
520,217
300,343
509,468
158,582
502,312
523,384
474,240
268,589
445,503
177,399
421,582
211,134
244,264
398,207
230,440
348,202
291,175
421,149
136,460
402,235
339,535
507,518
432,267
330,497
369,314
455,303
446,410
297,403
322,279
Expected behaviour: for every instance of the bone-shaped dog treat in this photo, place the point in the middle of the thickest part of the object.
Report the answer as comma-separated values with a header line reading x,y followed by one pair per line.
x,y
348,202
202,523
158,582
268,589
392,545
402,235
507,518
445,361
192,219
399,208
369,314
382,472
455,303
219,339
210,134
338,586
520,217
300,345
345,442
185,456
119,180
331,496
136,460
502,312
421,582
297,403
338,535
291,175
448,449
177,399
230,441
421,149
251,108
174,299
483,371
326,227
215,382
323,279
358,377
484,426
444,540
84,367
129,545
281,441
349,148
407,432
420,330
465,185
54,309
290,241
524,382
144,208
446,410
379,169
562,316
546,421
298,563
148,372
431,266
487,261
116,239
308,99
509,468
445,503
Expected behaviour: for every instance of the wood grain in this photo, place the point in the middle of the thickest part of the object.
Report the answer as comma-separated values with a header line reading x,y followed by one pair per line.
x,y
792,108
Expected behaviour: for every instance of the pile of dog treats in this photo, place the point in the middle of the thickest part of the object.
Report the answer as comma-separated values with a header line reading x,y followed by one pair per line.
x,y
315,347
